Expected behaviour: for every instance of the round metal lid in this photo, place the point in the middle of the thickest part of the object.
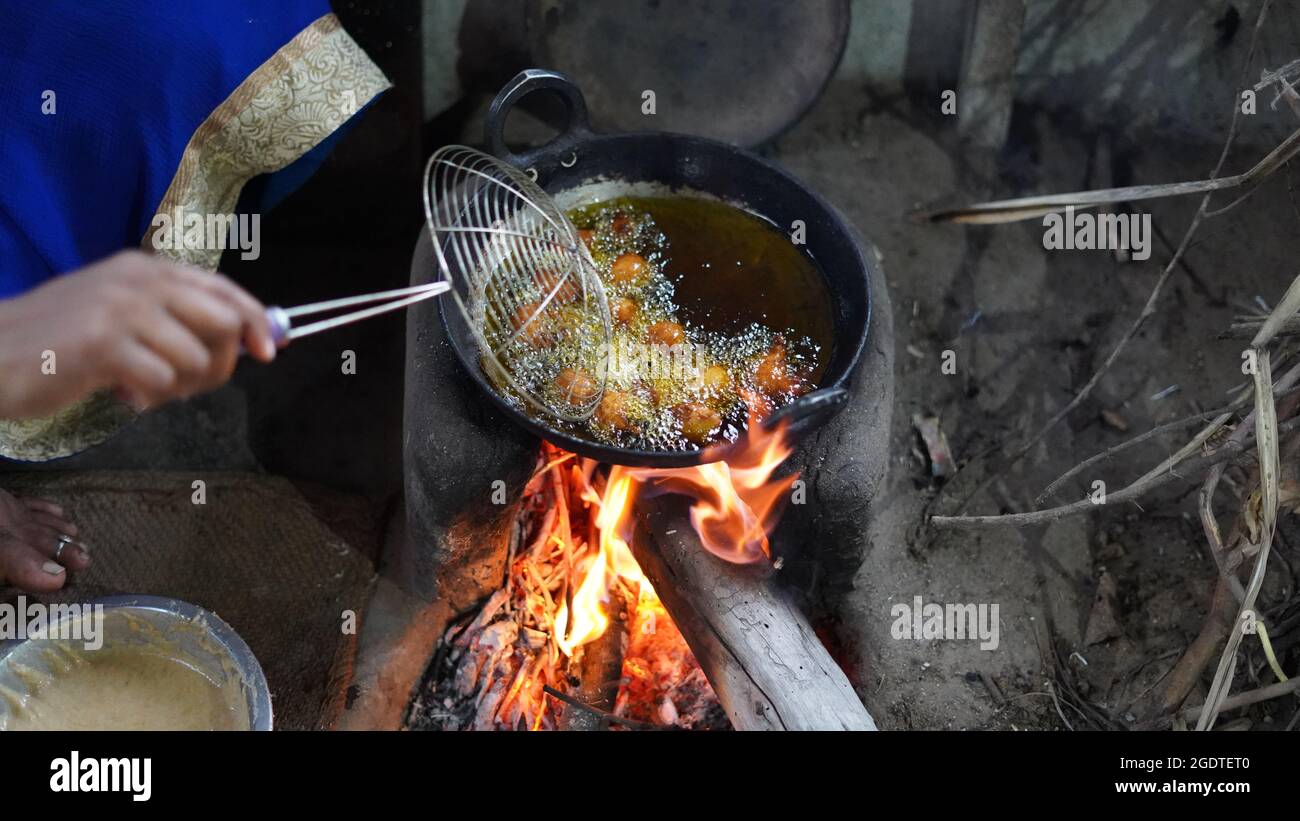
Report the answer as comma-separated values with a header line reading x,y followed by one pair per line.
x,y
741,71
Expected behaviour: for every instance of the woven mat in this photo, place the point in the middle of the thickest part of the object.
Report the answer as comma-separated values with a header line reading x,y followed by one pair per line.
x,y
254,554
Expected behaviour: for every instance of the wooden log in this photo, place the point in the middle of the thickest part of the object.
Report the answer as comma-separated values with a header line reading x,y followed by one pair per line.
x,y
760,654
987,84
598,672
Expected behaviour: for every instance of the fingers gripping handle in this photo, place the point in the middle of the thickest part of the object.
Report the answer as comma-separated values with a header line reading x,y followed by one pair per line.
x,y
280,323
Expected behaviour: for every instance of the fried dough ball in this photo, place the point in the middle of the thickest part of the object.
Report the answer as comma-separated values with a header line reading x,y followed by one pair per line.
x,y
624,311
774,374
566,288
716,379
667,333
699,422
576,384
526,317
657,390
613,411
629,268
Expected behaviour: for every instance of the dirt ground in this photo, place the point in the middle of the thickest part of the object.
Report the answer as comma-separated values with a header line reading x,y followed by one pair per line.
x,y
1029,326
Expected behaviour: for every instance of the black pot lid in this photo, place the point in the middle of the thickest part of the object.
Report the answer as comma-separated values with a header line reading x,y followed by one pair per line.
x,y
741,71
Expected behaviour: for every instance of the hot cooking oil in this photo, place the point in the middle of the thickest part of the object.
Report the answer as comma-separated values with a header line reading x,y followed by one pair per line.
x,y
717,316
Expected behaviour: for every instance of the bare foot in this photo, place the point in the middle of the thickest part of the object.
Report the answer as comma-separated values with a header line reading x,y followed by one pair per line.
x,y
31,534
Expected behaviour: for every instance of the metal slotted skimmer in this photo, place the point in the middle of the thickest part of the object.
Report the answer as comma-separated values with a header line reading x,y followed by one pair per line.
x,y
522,278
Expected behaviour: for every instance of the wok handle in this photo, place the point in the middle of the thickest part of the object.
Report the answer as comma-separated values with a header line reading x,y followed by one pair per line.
x,y
560,150
810,411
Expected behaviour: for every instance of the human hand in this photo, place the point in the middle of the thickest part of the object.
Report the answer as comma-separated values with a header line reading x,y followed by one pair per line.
x,y
148,328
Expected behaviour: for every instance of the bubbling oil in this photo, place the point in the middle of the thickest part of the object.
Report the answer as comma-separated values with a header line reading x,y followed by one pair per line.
x,y
716,316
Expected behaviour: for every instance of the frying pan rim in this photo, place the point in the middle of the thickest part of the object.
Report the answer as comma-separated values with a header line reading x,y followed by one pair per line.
x,y
631,457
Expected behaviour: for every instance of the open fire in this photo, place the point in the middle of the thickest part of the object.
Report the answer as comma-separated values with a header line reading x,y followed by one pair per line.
x,y
578,632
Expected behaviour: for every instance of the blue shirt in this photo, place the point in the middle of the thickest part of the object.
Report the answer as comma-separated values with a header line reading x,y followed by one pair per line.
x,y
98,100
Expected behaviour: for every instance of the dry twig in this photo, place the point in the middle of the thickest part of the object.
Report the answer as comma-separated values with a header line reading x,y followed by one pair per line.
x,y
1231,450
1268,446
1023,208
1287,150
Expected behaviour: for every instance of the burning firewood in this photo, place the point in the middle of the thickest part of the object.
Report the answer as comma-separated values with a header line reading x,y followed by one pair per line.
x,y
662,681
599,673
579,628
559,626
765,663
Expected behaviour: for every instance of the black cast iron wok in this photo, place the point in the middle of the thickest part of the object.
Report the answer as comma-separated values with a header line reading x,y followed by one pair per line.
x,y
579,159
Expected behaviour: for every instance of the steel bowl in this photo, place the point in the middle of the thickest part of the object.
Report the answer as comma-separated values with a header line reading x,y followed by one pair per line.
x,y
206,641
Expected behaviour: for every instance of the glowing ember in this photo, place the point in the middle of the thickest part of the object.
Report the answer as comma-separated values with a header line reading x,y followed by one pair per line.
x,y
562,580
662,683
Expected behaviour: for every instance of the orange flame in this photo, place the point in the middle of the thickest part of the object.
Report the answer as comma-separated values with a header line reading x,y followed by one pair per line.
x,y
737,503
613,560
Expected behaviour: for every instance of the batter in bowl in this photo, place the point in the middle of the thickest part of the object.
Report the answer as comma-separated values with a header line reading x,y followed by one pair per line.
x,y
126,688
